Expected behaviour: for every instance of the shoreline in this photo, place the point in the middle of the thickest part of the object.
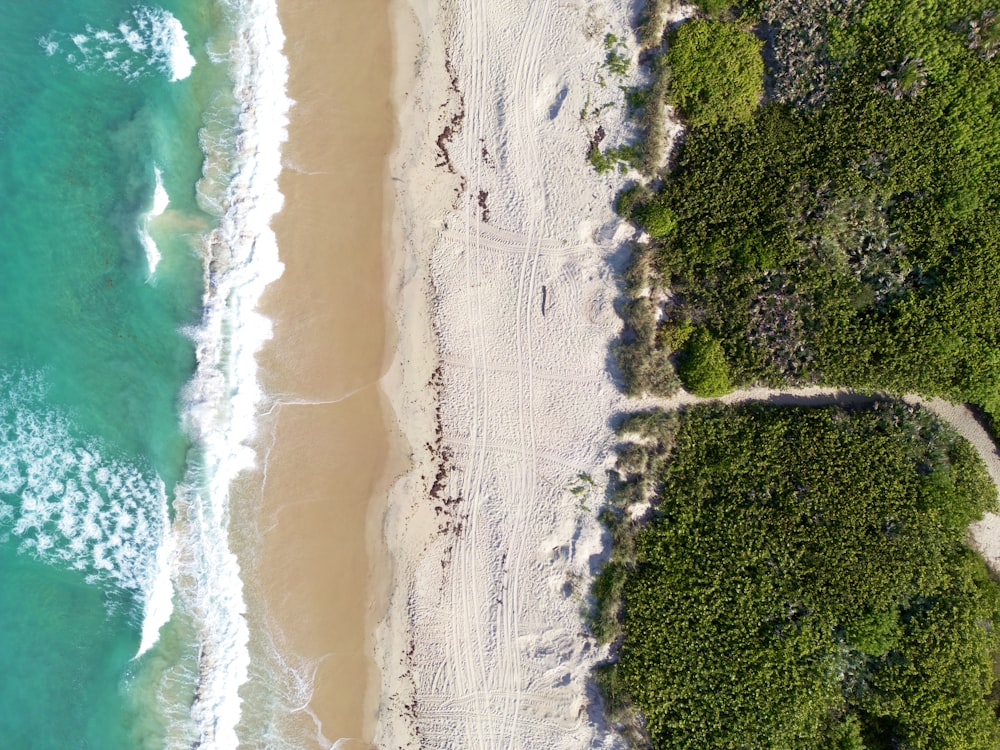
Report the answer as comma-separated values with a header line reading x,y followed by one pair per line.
x,y
410,382
315,573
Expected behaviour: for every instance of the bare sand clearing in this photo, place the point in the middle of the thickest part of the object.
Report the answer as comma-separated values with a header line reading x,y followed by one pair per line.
x,y
316,580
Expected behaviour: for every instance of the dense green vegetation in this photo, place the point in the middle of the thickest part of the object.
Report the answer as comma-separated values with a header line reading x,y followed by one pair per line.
x,y
716,72
703,367
831,216
847,230
801,582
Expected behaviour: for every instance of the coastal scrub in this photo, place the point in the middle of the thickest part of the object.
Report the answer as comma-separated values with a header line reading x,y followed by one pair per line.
x,y
716,72
801,581
844,230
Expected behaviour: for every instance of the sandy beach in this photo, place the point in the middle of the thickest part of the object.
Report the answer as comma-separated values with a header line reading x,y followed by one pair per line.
x,y
316,577
507,254
437,451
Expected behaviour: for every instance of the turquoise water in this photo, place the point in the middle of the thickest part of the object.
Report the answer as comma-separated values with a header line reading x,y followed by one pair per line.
x,y
97,102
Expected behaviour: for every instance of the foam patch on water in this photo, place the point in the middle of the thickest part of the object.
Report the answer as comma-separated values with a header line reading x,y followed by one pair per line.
x,y
152,40
160,202
66,501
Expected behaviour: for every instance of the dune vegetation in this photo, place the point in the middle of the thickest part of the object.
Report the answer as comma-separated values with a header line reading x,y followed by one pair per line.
x,y
796,577
801,580
831,217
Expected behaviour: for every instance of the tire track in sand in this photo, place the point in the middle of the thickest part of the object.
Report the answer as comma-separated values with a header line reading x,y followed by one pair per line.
x,y
499,662
466,646
526,80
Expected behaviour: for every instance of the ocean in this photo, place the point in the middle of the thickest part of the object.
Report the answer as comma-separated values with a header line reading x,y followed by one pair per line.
x,y
139,156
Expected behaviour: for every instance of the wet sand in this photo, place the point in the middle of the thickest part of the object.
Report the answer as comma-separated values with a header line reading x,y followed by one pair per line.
x,y
319,566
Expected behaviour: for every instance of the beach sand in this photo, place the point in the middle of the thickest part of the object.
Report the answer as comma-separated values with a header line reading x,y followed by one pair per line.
x,y
434,467
494,534
508,250
316,577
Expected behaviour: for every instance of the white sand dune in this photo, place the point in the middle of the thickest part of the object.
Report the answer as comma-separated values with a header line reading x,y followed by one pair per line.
x,y
507,407
482,646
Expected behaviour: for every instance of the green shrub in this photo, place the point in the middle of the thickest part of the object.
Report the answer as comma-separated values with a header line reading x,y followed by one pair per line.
x,y
803,583
618,59
674,334
846,735
657,219
607,592
636,98
716,72
714,8
848,240
645,365
874,634
653,22
646,370
639,273
618,157
703,368
627,199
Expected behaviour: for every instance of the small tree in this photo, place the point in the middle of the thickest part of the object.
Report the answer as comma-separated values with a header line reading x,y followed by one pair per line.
x,y
716,72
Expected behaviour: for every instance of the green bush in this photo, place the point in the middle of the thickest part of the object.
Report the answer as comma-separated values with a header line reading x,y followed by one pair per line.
x,y
607,592
803,583
850,239
645,364
626,200
646,370
618,59
716,72
673,335
714,8
703,368
618,157
654,20
657,219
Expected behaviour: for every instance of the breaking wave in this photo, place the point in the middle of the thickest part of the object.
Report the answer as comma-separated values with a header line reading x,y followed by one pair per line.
x,y
66,501
240,257
151,40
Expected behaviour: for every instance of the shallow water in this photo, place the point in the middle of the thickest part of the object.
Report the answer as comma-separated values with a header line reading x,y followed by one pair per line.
x,y
117,156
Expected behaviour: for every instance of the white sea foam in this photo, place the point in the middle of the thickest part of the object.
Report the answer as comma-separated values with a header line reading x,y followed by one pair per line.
x,y
160,202
160,198
241,259
153,39
179,55
153,255
70,504
159,591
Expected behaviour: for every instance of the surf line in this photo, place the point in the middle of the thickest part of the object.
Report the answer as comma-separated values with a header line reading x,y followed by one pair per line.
x,y
240,259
